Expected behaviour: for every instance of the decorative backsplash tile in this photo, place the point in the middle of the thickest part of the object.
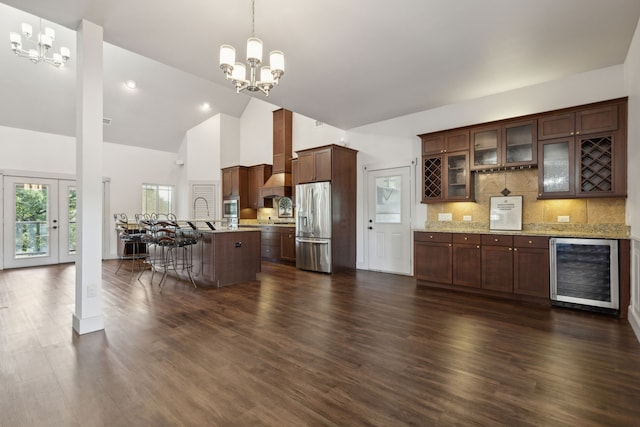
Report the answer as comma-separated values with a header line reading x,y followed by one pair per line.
x,y
585,215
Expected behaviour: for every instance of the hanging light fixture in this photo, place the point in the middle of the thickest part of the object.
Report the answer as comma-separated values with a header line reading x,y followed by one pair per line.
x,y
237,72
40,45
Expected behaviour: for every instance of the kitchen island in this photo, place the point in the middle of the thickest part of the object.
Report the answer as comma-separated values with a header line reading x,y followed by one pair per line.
x,y
226,257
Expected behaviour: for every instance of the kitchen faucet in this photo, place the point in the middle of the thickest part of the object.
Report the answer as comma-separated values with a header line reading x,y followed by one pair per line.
x,y
205,203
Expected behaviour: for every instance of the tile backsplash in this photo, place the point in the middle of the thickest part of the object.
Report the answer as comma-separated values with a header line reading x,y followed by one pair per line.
x,y
534,212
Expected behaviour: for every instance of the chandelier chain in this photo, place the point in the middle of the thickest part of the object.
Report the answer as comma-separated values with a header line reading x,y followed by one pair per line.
x,y
253,18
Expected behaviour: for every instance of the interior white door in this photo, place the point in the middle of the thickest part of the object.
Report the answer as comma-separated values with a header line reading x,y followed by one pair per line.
x,y
388,222
39,218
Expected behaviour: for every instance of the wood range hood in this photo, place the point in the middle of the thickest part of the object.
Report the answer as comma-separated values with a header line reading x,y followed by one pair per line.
x,y
279,184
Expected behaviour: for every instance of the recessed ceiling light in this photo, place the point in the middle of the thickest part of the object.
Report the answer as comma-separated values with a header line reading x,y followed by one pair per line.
x,y
205,106
131,84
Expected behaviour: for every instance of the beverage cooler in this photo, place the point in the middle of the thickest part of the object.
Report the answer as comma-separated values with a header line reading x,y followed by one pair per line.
x,y
584,274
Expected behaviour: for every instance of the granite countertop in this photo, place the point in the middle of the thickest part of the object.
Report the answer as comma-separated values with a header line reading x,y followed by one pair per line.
x,y
275,224
592,231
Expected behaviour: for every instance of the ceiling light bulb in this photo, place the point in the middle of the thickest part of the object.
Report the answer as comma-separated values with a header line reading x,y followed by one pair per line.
x,y
254,50
131,84
205,106
227,55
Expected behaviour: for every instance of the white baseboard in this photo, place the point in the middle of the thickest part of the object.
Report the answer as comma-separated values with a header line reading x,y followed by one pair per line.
x,y
634,320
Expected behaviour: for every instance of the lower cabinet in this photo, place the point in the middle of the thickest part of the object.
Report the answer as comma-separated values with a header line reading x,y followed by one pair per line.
x,y
530,260
433,257
467,267
510,265
279,243
288,245
497,263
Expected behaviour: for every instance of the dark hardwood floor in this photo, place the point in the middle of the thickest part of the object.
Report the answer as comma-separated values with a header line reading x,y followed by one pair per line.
x,y
298,348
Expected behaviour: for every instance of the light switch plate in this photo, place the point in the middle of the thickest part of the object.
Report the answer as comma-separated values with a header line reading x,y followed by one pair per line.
x,y
445,217
563,218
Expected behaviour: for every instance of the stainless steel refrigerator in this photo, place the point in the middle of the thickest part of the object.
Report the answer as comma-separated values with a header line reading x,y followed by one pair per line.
x,y
313,226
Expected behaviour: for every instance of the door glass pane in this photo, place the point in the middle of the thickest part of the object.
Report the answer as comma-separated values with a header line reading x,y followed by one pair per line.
x,y
71,198
485,148
556,167
457,176
388,199
519,142
32,229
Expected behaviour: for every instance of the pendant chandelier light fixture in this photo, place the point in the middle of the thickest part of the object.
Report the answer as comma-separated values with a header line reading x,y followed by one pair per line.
x,y
269,76
40,46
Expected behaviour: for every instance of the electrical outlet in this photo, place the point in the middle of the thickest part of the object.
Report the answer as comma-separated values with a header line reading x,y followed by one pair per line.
x,y
92,291
467,218
563,218
445,217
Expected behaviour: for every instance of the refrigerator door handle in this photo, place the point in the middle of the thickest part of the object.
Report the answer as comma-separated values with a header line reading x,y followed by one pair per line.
x,y
318,242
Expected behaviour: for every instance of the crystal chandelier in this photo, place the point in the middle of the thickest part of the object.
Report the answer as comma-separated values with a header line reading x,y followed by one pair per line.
x,y
236,71
40,45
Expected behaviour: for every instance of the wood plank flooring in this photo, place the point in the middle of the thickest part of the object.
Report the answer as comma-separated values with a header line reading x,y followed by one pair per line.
x,y
296,348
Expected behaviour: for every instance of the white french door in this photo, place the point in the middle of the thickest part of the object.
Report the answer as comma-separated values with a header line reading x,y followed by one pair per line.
x,y
388,222
39,221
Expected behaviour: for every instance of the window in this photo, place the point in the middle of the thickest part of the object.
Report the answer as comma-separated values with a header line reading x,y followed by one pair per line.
x,y
157,199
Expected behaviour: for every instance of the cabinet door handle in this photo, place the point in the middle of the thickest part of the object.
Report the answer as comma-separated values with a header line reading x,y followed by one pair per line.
x,y
515,249
496,240
530,242
478,247
449,244
510,249
466,238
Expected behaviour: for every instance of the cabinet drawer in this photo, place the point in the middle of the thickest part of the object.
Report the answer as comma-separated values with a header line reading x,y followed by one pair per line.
x,y
497,240
421,236
471,239
270,251
540,242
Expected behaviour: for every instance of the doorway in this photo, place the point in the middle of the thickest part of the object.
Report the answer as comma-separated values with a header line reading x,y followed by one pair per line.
x,y
39,221
388,221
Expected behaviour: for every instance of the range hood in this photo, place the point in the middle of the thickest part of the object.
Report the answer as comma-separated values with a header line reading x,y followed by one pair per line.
x,y
279,184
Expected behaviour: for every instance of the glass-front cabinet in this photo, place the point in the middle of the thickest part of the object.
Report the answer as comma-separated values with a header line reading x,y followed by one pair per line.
x,y
556,170
509,145
446,177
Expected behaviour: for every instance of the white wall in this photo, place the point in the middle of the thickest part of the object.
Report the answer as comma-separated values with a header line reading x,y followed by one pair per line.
x,y
632,85
126,167
394,142
256,133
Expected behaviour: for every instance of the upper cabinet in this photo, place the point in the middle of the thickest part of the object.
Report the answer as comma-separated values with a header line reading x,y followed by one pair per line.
x,y
234,182
504,145
445,163
447,177
257,176
445,142
314,165
583,152
588,121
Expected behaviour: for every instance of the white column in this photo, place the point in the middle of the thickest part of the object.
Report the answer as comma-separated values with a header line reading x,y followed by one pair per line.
x,y
88,309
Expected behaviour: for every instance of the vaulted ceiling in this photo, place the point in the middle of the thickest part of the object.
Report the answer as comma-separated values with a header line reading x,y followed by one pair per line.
x,y
348,63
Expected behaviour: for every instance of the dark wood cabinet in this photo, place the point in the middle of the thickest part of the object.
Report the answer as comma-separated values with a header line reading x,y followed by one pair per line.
x,y
295,178
597,119
531,266
336,164
235,185
507,144
444,142
278,243
288,244
315,165
587,156
467,266
257,176
433,257
497,263
446,177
